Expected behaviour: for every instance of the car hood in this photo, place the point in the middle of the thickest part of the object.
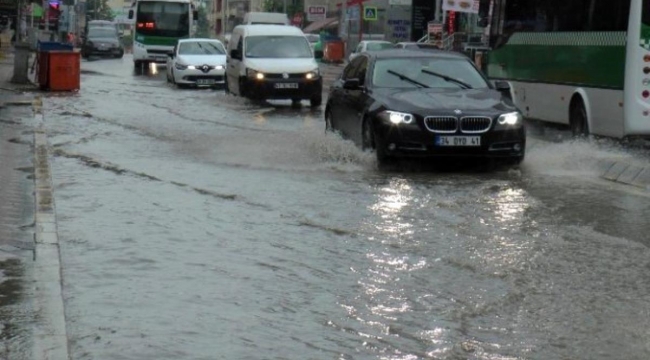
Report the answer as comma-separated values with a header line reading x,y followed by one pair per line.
x,y
202,59
444,101
103,40
282,65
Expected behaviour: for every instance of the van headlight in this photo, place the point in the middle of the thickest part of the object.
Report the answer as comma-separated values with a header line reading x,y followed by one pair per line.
x,y
312,75
396,117
254,74
512,118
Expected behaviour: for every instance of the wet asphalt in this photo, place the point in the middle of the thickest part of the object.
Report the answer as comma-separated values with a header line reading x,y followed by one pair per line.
x,y
198,225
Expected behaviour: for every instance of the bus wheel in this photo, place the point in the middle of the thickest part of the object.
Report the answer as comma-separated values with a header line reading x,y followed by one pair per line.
x,y
578,119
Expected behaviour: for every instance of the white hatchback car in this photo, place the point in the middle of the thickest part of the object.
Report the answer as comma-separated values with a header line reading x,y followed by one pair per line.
x,y
197,62
371,45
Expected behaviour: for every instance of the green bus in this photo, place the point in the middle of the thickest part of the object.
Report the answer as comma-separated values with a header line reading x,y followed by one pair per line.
x,y
583,63
158,25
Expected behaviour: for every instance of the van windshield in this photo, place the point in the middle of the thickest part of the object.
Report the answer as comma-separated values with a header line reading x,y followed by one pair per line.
x,y
277,47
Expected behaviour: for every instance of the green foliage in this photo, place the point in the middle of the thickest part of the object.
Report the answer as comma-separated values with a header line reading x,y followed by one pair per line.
x,y
202,24
98,10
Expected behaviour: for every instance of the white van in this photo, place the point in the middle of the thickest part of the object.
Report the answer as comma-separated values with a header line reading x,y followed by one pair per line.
x,y
272,62
265,18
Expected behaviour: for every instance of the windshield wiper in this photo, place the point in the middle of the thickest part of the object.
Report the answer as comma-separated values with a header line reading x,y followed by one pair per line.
x,y
406,78
462,84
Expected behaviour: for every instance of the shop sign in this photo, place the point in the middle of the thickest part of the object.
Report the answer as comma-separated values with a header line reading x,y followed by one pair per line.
x,y
465,6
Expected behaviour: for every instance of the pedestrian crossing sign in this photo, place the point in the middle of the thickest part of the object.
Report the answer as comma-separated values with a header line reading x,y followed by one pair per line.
x,y
370,13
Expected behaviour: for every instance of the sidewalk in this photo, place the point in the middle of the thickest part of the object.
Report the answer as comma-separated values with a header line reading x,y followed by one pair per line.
x,y
16,211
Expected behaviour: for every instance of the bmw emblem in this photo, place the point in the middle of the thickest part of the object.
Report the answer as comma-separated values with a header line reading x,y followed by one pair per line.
x,y
457,112
285,76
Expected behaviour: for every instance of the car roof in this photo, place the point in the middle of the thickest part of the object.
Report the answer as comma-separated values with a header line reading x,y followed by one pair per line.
x,y
375,41
252,30
415,53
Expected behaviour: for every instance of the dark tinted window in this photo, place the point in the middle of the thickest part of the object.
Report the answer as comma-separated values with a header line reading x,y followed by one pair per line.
x,y
360,70
566,15
646,13
163,19
459,69
350,70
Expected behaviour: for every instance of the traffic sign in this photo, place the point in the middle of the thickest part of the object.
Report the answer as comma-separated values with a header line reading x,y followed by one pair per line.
x,y
370,13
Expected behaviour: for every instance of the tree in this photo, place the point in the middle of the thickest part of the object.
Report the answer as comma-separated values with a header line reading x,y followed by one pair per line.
x,y
202,24
98,10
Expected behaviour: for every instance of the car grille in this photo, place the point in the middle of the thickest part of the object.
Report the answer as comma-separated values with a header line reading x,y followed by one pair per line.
x,y
204,77
154,51
474,125
441,124
281,76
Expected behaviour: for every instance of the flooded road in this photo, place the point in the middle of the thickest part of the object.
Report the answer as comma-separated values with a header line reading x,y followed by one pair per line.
x,y
197,225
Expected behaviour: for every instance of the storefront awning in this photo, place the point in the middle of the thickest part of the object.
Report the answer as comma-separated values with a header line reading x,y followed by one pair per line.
x,y
320,24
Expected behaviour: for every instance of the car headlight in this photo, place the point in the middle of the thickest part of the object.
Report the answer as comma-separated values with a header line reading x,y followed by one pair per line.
x,y
180,66
397,117
219,67
191,67
254,74
312,75
513,118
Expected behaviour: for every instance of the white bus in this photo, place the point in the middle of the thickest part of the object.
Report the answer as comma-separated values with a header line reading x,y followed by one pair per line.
x,y
583,63
158,25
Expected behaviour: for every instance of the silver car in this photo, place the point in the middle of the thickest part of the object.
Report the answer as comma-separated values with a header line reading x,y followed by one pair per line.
x,y
197,62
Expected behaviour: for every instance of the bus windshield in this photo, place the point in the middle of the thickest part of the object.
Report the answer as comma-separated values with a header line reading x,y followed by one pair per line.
x,y
160,18
276,47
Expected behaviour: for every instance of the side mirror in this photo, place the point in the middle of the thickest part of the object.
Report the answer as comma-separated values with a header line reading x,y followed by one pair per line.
x,y
502,86
235,54
131,14
352,84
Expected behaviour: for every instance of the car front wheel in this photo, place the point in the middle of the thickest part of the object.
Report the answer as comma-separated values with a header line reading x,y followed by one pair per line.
x,y
371,141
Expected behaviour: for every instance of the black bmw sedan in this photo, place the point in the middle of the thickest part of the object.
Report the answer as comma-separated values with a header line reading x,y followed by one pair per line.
x,y
424,104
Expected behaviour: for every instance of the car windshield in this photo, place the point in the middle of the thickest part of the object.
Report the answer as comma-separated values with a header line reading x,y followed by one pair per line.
x,y
102,32
379,46
430,71
277,47
201,48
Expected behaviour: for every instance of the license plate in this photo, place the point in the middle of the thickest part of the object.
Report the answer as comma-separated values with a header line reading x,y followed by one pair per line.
x,y
458,141
286,85
205,82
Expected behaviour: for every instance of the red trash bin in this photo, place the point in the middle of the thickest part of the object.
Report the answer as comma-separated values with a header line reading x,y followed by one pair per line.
x,y
63,70
334,51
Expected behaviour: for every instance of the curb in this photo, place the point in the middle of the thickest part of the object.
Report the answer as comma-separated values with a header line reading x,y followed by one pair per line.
x,y
50,334
621,172
637,175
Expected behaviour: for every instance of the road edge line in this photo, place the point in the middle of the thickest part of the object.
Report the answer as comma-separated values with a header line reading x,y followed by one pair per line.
x,y
50,338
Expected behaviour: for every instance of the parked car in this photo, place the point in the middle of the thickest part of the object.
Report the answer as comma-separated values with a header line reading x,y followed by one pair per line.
x,y
197,62
273,62
424,104
370,45
102,41
416,46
